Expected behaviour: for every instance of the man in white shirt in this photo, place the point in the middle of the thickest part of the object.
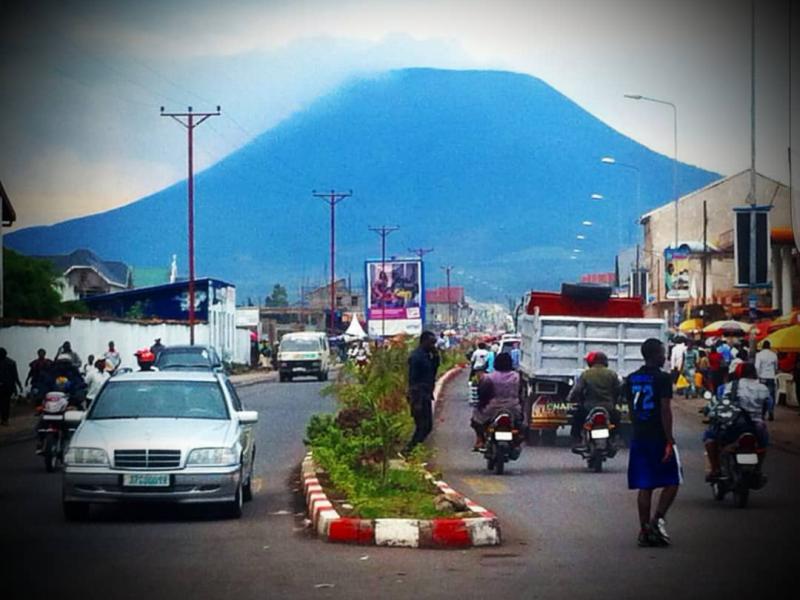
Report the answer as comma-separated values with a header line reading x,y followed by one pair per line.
x,y
767,369
112,358
95,379
479,359
676,359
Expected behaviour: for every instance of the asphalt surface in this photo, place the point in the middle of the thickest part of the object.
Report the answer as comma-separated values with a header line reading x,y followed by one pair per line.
x,y
567,533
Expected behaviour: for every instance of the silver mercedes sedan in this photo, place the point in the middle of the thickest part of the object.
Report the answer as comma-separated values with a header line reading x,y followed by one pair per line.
x,y
165,436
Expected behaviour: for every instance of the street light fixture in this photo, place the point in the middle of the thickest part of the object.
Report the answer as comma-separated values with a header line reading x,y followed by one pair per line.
x,y
597,196
587,223
674,165
610,160
580,237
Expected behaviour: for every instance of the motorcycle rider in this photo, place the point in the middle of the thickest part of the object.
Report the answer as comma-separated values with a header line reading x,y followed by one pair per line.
x,y
66,354
596,386
55,401
753,397
145,359
498,390
479,359
39,375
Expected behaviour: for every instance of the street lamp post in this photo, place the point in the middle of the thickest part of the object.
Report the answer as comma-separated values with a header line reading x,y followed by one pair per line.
x,y
674,163
610,160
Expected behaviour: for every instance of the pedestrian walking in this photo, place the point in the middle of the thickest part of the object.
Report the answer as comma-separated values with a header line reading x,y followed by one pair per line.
x,y
9,383
422,366
95,379
767,369
690,359
157,347
112,358
653,461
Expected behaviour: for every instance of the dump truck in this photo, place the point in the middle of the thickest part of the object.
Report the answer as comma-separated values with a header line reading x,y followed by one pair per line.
x,y
557,331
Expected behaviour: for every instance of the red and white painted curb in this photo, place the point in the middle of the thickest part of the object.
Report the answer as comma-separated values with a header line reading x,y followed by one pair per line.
x,y
481,530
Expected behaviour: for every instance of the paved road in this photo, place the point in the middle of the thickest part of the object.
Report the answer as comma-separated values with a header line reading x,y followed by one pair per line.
x,y
568,533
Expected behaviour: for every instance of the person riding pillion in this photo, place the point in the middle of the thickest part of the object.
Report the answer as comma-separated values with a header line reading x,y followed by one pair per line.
x,y
596,386
499,390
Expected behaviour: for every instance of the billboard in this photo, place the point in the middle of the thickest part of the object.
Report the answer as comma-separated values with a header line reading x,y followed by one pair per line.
x,y
395,295
676,272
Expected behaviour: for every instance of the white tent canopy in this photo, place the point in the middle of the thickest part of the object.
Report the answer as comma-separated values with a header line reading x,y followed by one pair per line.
x,y
355,331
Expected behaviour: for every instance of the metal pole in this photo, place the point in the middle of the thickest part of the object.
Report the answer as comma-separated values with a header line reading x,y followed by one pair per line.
x,y
333,263
383,231
676,307
190,124
191,231
752,299
705,258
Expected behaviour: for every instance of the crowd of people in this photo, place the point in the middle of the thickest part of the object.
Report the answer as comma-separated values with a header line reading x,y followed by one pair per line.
x,y
697,368
66,372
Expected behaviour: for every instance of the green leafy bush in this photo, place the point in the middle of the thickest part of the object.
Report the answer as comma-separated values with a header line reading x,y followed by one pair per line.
x,y
356,446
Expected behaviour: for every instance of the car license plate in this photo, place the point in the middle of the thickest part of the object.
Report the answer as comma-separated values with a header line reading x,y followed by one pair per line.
x,y
747,459
145,479
599,434
52,417
503,436
299,369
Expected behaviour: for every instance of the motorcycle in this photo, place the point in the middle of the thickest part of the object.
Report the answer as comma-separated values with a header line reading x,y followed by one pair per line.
x,y
53,429
740,455
597,443
502,442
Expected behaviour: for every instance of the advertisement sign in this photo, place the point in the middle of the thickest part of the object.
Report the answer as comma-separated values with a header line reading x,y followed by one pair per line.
x,y
676,273
395,291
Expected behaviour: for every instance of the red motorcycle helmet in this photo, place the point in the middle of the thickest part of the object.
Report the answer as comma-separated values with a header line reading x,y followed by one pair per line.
x,y
145,358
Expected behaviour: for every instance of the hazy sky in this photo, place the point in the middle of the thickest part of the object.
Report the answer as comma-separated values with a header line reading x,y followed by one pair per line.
x,y
83,81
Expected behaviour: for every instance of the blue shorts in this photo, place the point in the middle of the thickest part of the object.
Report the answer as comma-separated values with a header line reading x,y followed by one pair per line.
x,y
645,469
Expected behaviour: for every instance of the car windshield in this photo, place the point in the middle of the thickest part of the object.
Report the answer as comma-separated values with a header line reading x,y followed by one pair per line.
x,y
184,358
300,345
160,400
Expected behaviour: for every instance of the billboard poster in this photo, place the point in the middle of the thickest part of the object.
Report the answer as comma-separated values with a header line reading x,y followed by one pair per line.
x,y
394,290
676,273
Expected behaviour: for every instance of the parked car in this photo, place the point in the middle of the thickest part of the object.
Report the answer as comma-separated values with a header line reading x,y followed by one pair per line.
x,y
304,353
189,358
167,436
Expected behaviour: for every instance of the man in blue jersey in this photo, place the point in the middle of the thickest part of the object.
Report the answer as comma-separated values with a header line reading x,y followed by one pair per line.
x,y
653,459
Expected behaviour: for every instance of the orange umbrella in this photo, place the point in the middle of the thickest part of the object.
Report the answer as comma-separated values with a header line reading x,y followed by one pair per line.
x,y
762,329
792,318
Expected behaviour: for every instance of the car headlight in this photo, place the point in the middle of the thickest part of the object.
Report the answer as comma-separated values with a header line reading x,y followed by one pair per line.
x,y
212,457
86,456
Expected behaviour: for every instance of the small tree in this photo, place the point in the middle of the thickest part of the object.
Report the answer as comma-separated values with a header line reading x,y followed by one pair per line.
x,y
279,297
31,287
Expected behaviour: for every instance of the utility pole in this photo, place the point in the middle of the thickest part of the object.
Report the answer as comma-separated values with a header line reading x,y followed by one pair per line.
x,y
192,120
705,259
447,269
333,198
420,252
383,231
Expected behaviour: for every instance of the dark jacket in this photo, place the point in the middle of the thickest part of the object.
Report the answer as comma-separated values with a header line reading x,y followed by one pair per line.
x,y
422,367
9,378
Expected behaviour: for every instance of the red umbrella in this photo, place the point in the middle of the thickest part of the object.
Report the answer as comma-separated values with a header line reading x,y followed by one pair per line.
x,y
762,329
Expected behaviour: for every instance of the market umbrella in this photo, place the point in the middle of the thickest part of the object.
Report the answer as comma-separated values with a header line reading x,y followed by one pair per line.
x,y
793,318
786,339
691,325
762,329
726,327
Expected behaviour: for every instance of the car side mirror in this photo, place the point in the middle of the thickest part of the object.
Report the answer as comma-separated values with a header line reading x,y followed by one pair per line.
x,y
74,417
247,417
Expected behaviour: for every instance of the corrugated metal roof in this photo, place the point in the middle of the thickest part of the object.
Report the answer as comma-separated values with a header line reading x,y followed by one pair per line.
x,y
440,295
112,271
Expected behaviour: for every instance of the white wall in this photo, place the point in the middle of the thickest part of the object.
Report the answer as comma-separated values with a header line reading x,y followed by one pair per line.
x,y
91,336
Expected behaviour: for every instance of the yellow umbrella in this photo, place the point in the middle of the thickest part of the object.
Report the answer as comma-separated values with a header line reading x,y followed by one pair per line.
x,y
691,325
786,339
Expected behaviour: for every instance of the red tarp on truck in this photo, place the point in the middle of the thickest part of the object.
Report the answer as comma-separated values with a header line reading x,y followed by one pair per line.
x,y
552,304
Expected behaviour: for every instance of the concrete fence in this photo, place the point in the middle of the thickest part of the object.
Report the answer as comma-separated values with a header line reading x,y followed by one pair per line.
x,y
91,336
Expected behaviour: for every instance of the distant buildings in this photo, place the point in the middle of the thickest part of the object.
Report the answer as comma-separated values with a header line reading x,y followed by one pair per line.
x,y
679,274
82,274
445,306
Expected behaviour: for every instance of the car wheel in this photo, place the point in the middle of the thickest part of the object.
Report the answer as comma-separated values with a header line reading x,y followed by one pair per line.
x,y
75,511
234,508
247,488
